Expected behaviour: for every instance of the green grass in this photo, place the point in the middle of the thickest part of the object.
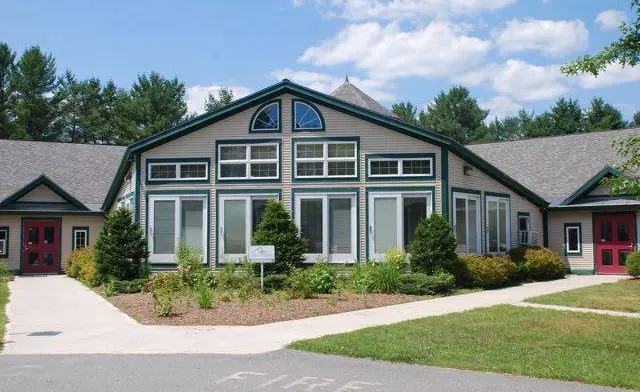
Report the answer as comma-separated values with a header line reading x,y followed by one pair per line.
x,y
623,296
583,347
4,298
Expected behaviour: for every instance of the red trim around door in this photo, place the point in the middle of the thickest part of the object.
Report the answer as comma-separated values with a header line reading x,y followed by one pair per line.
x,y
40,246
614,239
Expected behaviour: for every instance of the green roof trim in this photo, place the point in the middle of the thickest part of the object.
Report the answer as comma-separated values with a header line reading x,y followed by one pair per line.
x,y
301,92
46,181
592,184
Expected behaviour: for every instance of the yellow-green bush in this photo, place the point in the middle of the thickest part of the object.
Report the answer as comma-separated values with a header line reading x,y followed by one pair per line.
x,y
488,271
544,264
633,264
82,266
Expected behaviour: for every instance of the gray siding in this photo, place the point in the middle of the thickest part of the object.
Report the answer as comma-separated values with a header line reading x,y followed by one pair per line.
x,y
557,220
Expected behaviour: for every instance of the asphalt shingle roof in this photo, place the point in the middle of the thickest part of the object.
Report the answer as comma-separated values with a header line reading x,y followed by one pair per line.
x,y
554,167
350,93
85,171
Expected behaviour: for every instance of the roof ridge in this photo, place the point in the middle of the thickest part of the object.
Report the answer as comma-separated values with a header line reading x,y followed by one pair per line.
x,y
555,136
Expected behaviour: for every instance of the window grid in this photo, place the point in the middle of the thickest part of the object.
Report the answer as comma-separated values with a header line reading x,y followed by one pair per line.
x,y
179,171
306,117
402,167
4,234
338,159
260,161
80,238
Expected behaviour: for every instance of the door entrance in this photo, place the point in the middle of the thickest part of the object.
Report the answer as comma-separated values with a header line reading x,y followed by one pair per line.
x,y
40,246
614,240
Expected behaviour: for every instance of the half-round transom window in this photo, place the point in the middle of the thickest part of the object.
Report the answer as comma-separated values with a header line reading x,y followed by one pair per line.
x,y
267,118
306,117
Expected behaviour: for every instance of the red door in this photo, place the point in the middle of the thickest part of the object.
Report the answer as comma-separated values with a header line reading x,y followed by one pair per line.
x,y
614,240
40,246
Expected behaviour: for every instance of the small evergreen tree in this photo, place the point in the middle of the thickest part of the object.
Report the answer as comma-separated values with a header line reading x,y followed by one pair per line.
x,y
278,229
121,249
434,247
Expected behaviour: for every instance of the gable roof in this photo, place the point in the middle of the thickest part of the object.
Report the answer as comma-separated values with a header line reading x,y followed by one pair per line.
x,y
350,93
286,86
84,172
46,181
554,167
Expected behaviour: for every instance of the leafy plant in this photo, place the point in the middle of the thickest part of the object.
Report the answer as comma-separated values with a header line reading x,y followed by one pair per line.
x,y
121,250
633,264
397,257
323,277
299,284
489,271
128,286
5,272
82,265
170,281
434,246
275,282
204,296
278,229
423,284
162,302
376,277
189,261
109,289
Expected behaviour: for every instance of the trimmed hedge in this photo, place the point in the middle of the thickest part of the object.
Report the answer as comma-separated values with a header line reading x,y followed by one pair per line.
x,y
82,266
543,264
633,264
423,284
488,271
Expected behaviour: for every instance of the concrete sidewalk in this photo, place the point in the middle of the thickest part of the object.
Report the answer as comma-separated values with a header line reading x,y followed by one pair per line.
x,y
57,315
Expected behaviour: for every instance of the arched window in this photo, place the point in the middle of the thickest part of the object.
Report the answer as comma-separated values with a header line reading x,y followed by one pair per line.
x,y
306,117
267,118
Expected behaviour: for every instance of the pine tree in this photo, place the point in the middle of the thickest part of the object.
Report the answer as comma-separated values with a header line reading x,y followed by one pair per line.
x,y
567,116
434,246
7,64
278,229
225,97
602,116
406,112
121,249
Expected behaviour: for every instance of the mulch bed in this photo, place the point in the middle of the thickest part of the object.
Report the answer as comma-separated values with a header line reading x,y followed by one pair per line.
x,y
263,309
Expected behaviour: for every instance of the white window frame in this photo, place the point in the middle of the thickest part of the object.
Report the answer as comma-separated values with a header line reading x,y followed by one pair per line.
x,y
247,161
478,228
75,239
248,198
257,113
528,231
178,166
177,199
295,109
568,228
507,223
4,243
325,158
428,195
325,197
399,162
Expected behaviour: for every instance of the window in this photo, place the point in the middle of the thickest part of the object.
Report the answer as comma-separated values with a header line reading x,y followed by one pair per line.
x,y
159,171
407,165
267,118
238,219
498,224
335,159
466,222
174,220
573,238
4,242
80,237
248,161
524,229
126,202
393,218
329,223
306,117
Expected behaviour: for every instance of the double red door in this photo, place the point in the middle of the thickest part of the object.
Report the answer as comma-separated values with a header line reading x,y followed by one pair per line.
x,y
40,246
614,240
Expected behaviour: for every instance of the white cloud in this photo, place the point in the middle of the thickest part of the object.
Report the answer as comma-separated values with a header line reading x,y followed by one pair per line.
x,y
520,80
610,19
195,96
404,9
552,38
613,75
440,49
379,90
500,106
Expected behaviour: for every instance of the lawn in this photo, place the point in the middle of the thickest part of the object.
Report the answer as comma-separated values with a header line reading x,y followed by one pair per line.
x,y
583,347
4,298
623,296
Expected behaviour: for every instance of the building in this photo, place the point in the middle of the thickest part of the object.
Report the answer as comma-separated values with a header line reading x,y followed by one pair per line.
x,y
356,179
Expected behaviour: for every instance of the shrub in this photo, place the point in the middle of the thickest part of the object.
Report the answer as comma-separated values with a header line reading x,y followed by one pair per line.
x,y
543,264
299,283
163,302
82,265
323,278
376,277
489,271
397,257
278,229
423,284
517,254
275,282
5,272
169,281
121,250
434,246
204,296
128,286
189,262
240,279
633,264
361,279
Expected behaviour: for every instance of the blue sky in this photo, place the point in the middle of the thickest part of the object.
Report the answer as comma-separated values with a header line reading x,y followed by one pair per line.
x,y
507,51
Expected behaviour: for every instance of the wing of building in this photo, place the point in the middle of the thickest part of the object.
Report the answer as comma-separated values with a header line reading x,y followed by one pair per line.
x,y
355,178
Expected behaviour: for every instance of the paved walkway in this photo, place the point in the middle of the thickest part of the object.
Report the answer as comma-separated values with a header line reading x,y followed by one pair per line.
x,y
57,315
581,310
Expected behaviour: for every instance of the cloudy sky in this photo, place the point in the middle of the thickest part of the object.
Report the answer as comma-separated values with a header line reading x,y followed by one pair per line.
x,y
507,51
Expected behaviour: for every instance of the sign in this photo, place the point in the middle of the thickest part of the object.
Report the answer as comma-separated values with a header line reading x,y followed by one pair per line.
x,y
262,254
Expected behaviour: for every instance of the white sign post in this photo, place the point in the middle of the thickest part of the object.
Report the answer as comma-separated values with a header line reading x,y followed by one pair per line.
x,y
262,254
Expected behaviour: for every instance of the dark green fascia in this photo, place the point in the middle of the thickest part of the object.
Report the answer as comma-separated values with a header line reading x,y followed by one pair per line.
x,y
520,213
148,161
444,182
432,156
465,190
579,226
286,86
46,181
178,192
496,194
545,228
295,180
123,168
6,241
255,114
249,180
50,213
73,235
138,190
593,183
293,116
